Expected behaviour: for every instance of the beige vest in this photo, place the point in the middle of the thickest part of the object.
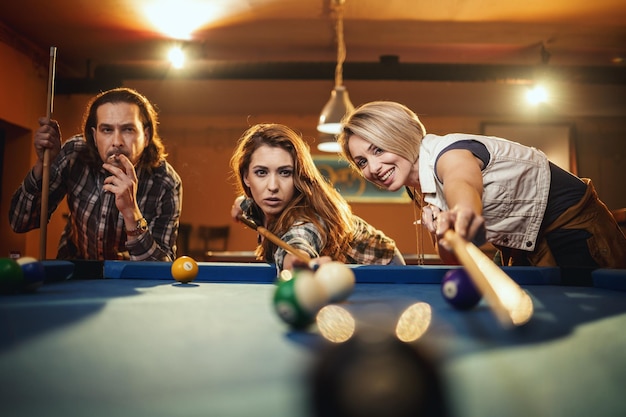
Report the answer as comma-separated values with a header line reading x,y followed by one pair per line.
x,y
516,182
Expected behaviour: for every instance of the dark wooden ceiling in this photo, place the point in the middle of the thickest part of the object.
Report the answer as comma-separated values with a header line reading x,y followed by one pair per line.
x,y
447,40
575,32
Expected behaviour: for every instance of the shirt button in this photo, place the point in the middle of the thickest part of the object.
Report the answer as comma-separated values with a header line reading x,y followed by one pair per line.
x,y
505,240
529,244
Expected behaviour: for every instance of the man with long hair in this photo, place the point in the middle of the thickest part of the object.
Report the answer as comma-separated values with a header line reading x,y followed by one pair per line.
x,y
124,198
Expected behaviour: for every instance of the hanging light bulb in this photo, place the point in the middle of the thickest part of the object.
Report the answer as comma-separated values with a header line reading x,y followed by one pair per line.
x,y
176,57
334,110
539,93
339,103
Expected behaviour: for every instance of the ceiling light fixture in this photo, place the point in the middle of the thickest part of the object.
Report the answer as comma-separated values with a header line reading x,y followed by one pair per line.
x,y
538,93
178,21
339,103
176,57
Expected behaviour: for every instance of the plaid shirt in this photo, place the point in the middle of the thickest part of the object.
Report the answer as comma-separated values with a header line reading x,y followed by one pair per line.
x,y
95,227
368,246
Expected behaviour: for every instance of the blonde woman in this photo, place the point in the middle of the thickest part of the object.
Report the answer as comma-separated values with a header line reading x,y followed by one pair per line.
x,y
486,188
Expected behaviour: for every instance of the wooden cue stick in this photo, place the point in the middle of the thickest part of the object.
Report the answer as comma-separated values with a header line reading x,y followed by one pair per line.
x,y
510,303
303,257
45,180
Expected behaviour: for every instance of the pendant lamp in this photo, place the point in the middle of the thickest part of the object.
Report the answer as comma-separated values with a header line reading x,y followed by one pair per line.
x,y
339,104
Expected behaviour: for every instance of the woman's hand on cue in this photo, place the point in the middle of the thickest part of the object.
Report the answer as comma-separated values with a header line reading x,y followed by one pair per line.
x,y
467,223
235,210
292,262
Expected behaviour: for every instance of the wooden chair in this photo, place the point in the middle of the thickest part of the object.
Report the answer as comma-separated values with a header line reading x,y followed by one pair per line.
x,y
215,238
184,236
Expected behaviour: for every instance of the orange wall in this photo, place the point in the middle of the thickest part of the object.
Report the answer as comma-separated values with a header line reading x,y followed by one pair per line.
x,y
200,148
23,85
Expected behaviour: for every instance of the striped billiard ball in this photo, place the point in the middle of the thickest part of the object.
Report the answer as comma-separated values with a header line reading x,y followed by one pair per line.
x,y
298,300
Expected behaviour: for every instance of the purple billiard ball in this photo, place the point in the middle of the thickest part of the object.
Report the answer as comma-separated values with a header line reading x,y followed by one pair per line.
x,y
458,289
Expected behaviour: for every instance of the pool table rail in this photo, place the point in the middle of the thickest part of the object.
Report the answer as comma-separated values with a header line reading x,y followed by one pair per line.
x,y
259,272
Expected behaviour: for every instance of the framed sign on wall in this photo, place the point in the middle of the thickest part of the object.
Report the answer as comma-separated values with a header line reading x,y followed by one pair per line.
x,y
352,186
554,139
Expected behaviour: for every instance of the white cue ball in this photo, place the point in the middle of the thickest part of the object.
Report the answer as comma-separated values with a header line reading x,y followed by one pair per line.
x,y
311,294
337,279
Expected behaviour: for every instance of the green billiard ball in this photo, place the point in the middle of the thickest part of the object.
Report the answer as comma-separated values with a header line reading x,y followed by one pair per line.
x,y
11,276
297,300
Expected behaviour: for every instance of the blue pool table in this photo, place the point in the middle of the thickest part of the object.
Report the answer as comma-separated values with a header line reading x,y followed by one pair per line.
x,y
134,342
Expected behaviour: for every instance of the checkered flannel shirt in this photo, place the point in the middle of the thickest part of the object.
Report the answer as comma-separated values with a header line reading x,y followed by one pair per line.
x,y
368,246
95,228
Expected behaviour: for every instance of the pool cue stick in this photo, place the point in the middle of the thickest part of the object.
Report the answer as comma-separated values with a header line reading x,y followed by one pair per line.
x,y
303,257
510,303
45,180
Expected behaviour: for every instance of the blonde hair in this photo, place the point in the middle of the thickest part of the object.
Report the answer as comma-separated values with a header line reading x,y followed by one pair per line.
x,y
315,200
387,125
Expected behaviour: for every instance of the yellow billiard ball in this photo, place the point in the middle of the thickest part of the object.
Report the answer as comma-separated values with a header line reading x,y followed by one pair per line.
x,y
184,269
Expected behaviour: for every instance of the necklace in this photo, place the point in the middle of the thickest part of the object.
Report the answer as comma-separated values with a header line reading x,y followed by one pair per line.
x,y
419,230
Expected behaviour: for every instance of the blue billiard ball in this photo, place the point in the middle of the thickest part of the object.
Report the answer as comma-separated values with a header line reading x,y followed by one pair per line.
x,y
33,272
458,289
